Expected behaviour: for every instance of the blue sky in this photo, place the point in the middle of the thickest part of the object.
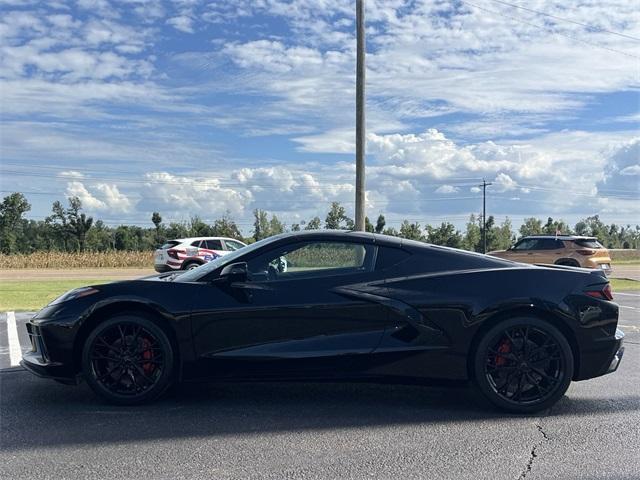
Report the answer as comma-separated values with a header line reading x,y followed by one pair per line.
x,y
201,107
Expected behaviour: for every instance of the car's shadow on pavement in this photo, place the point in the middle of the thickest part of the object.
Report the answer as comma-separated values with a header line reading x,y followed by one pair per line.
x,y
36,412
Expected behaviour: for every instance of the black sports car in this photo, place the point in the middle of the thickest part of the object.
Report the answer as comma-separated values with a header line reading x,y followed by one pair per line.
x,y
331,305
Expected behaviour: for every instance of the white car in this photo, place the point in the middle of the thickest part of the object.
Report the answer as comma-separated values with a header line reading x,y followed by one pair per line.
x,y
188,253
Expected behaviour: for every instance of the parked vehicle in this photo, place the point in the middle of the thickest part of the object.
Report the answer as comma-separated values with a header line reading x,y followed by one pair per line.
x,y
350,306
569,250
188,253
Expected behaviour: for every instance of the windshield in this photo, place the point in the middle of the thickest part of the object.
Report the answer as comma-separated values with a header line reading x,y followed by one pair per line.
x,y
197,273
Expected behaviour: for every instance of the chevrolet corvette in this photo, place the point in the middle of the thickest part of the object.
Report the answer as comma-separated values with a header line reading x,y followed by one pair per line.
x,y
349,306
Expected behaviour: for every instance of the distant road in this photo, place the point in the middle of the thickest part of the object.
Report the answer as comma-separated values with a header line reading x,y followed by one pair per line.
x,y
626,271
619,271
75,273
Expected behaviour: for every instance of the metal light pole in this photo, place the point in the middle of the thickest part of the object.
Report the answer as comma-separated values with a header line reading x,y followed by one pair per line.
x,y
360,125
484,186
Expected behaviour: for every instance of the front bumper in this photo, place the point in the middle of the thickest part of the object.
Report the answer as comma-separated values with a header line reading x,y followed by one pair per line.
x,y
45,363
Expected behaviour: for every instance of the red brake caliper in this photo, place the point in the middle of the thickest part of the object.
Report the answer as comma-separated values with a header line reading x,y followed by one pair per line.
x,y
147,354
505,347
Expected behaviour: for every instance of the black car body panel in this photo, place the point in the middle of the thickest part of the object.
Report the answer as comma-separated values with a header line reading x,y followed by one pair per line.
x,y
416,311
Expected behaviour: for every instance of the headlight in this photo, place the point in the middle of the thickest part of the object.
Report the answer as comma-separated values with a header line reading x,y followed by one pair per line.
x,y
74,294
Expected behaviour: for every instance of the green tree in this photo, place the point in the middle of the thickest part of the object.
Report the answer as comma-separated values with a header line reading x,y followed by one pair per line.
x,y
314,224
260,224
198,228
337,218
368,226
446,234
176,230
226,227
59,226
79,223
411,231
472,239
555,226
157,223
380,223
12,208
501,236
276,227
531,226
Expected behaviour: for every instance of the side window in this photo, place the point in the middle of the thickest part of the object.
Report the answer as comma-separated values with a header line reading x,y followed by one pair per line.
x,y
549,244
388,257
312,259
232,245
213,244
197,244
526,244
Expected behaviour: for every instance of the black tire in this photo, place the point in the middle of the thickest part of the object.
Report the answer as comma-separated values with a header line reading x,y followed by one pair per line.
x,y
190,265
128,360
523,365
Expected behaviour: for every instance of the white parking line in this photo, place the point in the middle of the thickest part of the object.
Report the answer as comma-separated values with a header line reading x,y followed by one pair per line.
x,y
630,308
635,328
627,294
15,352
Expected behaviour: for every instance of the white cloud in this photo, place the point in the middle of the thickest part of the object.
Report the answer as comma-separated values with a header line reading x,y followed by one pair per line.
x,y
112,199
504,183
182,23
447,189
71,174
89,202
631,170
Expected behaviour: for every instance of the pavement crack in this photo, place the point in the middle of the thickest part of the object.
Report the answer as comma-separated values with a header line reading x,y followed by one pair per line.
x,y
533,454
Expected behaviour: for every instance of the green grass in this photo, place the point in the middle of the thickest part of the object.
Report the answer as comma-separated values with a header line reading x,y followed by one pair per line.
x,y
631,261
33,295
618,284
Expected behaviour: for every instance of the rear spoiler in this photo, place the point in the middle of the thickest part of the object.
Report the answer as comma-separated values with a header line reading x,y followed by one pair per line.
x,y
592,271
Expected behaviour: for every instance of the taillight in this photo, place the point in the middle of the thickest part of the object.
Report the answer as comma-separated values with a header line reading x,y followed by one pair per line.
x,y
586,251
604,294
173,254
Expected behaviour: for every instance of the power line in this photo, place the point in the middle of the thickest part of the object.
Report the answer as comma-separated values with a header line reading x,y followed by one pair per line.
x,y
542,27
203,181
590,27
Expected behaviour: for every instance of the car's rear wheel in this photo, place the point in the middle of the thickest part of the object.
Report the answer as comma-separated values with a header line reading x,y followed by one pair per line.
x,y
128,360
523,365
191,265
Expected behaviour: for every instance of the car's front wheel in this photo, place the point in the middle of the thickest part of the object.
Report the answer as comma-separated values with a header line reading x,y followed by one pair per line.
x,y
523,365
128,360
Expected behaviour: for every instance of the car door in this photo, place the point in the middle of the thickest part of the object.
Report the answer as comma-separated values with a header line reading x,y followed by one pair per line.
x,y
523,251
549,250
292,317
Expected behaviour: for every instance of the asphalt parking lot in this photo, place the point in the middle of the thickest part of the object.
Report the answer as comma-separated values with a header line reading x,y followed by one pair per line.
x,y
49,430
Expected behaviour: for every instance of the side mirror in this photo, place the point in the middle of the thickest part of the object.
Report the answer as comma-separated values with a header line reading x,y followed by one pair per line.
x,y
235,272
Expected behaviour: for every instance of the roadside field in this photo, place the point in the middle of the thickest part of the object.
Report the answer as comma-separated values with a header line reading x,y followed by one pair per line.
x,y
33,294
112,259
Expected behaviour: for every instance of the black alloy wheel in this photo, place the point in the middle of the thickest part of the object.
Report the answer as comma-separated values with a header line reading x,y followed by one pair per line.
x,y
523,365
128,360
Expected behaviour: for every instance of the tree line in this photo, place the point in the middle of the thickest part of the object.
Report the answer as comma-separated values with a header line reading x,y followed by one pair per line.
x,y
69,229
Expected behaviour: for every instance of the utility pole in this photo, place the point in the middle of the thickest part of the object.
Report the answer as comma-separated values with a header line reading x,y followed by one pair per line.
x,y
484,186
360,120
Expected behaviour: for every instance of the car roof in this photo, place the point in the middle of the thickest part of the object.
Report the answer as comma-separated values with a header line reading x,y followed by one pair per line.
x,y
562,237
193,239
